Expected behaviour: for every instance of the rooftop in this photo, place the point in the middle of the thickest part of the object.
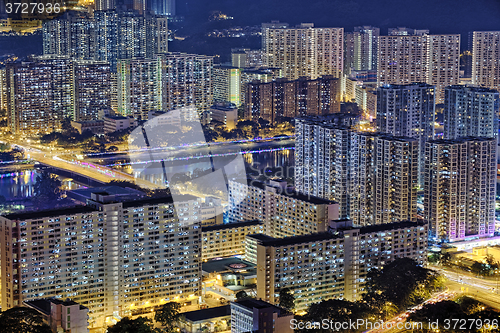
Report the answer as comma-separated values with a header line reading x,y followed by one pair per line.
x,y
115,117
250,303
49,213
207,314
86,193
391,226
290,192
277,242
460,140
222,265
43,305
231,225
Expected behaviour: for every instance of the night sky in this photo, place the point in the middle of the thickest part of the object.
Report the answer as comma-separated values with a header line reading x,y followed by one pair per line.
x,y
440,16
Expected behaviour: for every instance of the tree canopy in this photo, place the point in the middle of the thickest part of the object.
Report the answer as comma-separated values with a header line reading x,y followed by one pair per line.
x,y
167,316
46,189
402,282
139,325
287,300
465,308
23,319
241,295
335,310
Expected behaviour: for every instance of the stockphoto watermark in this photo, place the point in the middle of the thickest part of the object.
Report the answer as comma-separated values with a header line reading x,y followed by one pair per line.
x,y
359,324
461,325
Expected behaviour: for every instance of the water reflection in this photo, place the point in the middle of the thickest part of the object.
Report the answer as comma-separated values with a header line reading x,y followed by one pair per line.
x,y
20,184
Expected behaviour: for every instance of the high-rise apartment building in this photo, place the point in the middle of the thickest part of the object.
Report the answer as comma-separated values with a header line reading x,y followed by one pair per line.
x,y
162,7
39,94
433,59
407,110
43,91
361,49
284,98
252,315
471,111
81,36
226,240
262,74
101,5
403,31
284,211
187,80
3,89
304,50
322,152
382,179
486,59
443,62
72,34
56,36
227,84
460,187
372,176
333,264
107,36
92,89
247,58
139,87
114,258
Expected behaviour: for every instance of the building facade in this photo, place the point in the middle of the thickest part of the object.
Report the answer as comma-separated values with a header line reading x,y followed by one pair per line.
x,y
139,87
486,59
108,35
471,111
283,211
333,264
227,84
372,176
433,59
187,81
228,239
112,257
92,88
322,160
304,50
383,179
407,110
284,98
251,315
39,94
460,188
361,49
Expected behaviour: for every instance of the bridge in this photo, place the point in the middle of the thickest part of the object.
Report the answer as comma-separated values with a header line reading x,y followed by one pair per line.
x,y
93,174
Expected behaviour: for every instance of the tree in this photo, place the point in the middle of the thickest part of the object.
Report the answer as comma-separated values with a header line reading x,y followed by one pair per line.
x,y
167,316
47,188
479,268
402,282
241,295
433,258
492,264
445,259
337,311
287,301
112,148
139,325
23,319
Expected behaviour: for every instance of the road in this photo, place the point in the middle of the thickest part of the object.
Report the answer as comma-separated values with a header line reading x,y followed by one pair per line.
x,y
484,290
488,284
457,285
392,325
